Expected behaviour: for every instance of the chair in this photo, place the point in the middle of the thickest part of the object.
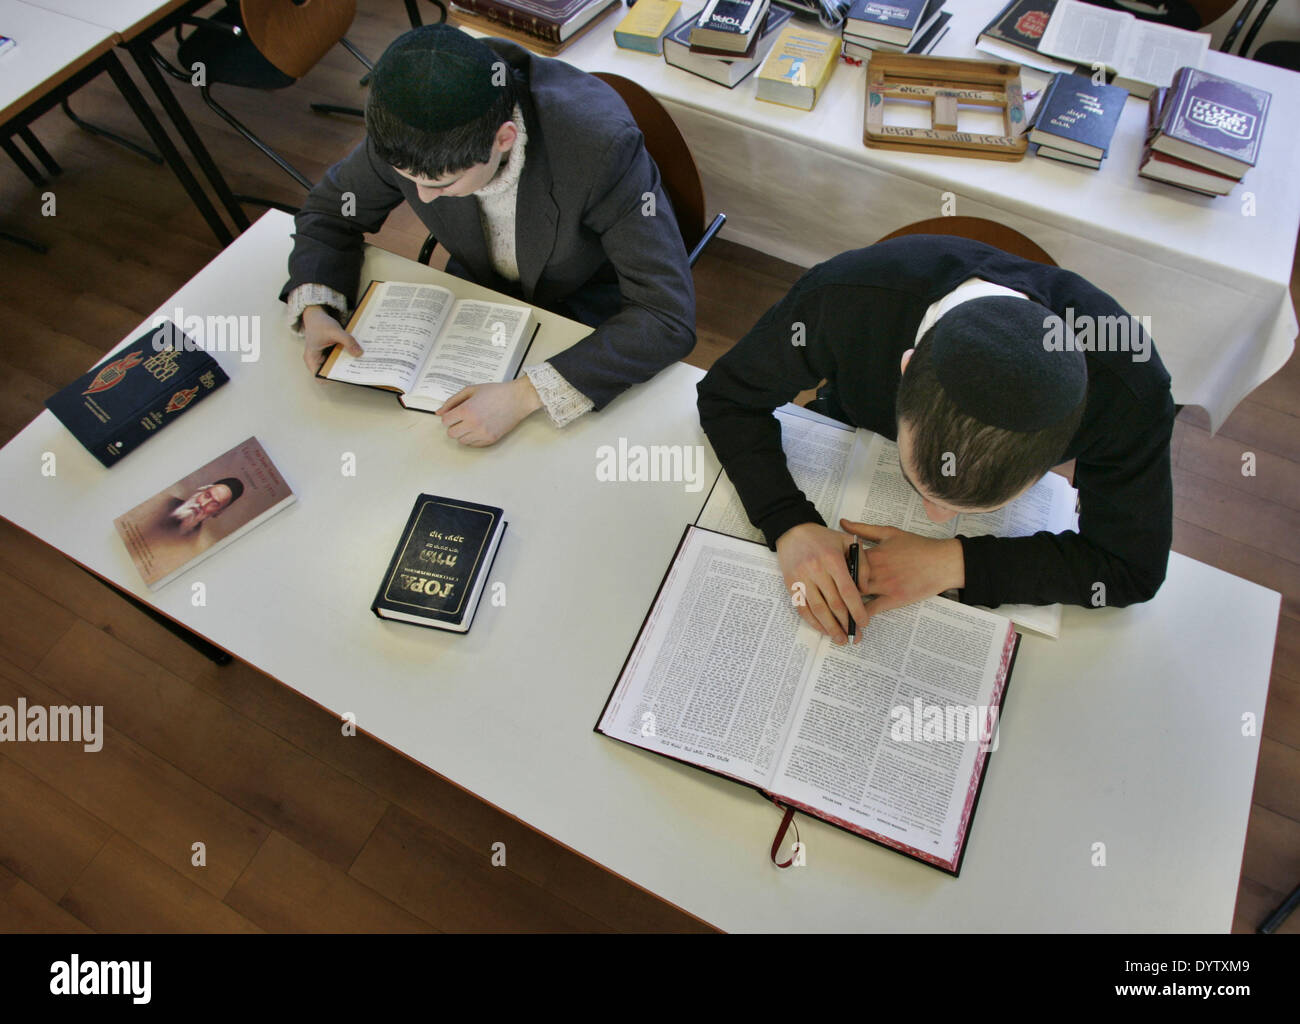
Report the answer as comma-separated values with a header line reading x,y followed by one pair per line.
x,y
1282,53
980,230
677,170
1187,14
262,44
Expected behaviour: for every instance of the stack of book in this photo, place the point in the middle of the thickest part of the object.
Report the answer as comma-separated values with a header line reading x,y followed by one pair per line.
x,y
647,23
1076,120
890,25
1203,133
728,69
795,73
543,26
729,28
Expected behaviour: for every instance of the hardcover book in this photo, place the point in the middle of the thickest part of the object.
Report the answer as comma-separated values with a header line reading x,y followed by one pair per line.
x,y
728,24
1066,156
729,70
552,20
545,45
890,21
1213,121
795,73
1077,116
1158,166
136,392
1016,32
203,512
440,568
647,23
888,738
424,344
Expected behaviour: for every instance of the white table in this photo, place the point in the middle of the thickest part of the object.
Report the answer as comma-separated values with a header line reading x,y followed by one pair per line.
x,y
803,187
1126,731
126,18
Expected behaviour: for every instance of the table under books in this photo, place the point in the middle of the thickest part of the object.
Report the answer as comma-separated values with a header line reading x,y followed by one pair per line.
x,y
1125,732
1213,274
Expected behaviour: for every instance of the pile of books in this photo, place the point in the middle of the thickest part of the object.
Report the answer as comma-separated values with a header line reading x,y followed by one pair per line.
x,y
1203,132
543,26
647,23
758,25
894,26
1076,120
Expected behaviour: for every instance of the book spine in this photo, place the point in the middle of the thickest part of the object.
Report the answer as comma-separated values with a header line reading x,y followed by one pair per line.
x,y
503,13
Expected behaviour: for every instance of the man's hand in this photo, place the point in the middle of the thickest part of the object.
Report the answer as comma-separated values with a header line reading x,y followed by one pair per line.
x,y
321,332
812,558
482,414
906,567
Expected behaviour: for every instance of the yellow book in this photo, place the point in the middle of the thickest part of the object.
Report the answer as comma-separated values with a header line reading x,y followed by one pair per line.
x,y
798,68
646,25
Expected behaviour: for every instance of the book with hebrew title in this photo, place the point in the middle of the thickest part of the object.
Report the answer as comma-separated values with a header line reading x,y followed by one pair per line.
x,y
729,24
852,473
424,344
1212,121
798,67
889,21
888,738
731,69
440,567
555,21
1078,116
1016,33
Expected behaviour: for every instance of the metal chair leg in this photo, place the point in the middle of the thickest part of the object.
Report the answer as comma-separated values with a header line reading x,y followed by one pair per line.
x,y
230,119
86,126
334,108
9,236
352,49
42,154
275,204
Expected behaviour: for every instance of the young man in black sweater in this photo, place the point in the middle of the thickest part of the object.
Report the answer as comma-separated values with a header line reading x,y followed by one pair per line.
x,y
988,370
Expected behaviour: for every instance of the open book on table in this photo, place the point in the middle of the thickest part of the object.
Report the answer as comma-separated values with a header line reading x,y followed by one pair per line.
x,y
888,738
854,474
423,343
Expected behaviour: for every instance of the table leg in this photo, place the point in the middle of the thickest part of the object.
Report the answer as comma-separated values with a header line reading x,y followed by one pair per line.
x,y
170,153
42,154
139,49
210,651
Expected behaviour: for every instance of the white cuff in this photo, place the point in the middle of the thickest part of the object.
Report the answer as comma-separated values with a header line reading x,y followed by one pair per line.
x,y
564,403
314,295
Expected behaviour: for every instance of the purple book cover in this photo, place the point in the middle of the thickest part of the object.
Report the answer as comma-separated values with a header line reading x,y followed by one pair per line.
x,y
1216,113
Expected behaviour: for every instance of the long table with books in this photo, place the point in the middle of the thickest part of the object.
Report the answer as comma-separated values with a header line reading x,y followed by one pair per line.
x,y
1117,791
1212,274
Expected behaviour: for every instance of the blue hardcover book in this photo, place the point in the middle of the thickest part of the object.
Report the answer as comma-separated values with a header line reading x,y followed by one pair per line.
x,y
1212,121
1078,116
125,400
890,21
440,568
728,24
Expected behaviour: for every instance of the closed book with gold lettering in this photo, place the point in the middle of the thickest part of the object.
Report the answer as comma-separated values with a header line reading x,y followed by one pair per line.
x,y
116,406
798,68
438,573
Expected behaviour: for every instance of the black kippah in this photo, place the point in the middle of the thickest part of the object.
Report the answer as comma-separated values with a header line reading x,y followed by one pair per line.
x,y
990,357
436,78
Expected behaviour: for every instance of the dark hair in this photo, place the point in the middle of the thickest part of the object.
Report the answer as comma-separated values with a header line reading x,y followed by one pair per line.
x,y
989,465
236,488
434,155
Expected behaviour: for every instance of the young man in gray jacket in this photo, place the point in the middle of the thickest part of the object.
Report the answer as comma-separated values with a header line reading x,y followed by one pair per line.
x,y
535,178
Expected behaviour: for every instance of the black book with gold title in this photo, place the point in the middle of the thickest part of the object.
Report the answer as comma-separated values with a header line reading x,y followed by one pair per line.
x,y
116,406
440,568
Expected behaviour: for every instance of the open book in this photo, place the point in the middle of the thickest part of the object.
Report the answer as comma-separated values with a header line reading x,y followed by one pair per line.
x,y
854,474
1142,54
422,342
887,738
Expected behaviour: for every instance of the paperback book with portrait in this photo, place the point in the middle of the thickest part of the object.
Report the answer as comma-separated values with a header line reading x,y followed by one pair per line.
x,y
437,574
203,512
888,738
424,344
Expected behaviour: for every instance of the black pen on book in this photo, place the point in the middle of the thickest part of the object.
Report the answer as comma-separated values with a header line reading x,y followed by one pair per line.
x,y
853,575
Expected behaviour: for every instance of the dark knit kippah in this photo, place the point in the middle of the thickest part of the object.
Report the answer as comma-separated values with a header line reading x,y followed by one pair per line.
x,y
989,355
436,78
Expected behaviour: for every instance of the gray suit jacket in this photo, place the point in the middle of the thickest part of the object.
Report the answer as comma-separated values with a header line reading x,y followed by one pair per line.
x,y
580,228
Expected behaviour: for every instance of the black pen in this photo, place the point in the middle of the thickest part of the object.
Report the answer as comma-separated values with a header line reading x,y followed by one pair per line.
x,y
853,575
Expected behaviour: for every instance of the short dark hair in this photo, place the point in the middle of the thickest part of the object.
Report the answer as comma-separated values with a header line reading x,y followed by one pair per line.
x,y
992,465
434,155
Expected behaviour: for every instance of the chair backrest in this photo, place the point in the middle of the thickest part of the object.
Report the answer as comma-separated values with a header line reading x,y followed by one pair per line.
x,y
990,232
664,143
295,34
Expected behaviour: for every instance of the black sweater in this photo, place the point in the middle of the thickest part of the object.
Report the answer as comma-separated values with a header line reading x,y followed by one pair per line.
x,y
860,312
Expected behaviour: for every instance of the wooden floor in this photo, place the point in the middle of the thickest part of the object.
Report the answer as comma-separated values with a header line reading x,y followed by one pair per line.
x,y
307,830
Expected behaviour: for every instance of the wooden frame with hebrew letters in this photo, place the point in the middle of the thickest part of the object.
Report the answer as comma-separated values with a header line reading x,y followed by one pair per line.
x,y
946,82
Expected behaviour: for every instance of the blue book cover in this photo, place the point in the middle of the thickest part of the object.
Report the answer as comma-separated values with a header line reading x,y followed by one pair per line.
x,y
1078,116
1217,117
121,403
904,14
